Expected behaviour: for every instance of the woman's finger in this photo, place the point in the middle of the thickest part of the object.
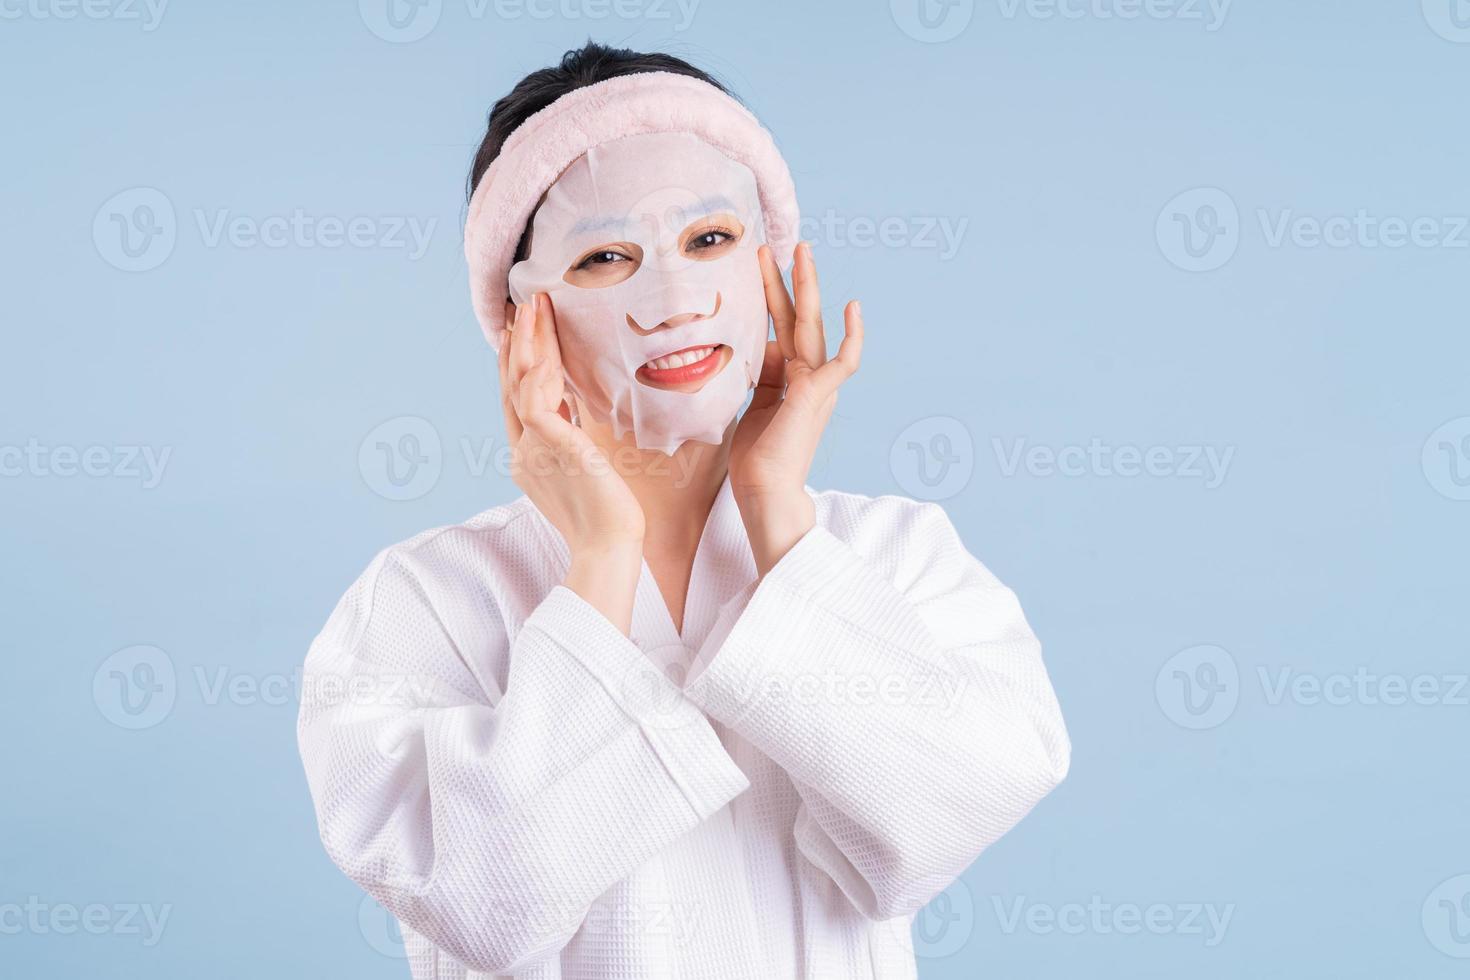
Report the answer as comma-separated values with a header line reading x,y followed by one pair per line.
x,y
548,344
778,301
772,384
533,398
542,418
522,342
517,340
811,344
849,354
548,348
513,427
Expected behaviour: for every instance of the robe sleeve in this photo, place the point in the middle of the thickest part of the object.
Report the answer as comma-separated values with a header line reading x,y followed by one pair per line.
x,y
490,822
905,695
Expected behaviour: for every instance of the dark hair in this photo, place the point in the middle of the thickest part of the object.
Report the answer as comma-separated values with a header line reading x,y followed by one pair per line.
x,y
579,67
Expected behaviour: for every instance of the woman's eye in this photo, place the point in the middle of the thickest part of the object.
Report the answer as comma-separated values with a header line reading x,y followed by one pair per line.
x,y
602,258
710,239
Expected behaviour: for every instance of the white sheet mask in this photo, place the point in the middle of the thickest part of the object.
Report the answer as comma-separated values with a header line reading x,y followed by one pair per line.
x,y
648,190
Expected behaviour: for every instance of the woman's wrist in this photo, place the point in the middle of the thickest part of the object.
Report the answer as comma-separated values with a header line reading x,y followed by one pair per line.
x,y
606,576
774,523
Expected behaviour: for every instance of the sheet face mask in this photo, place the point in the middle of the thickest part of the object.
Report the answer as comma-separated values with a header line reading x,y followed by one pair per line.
x,y
648,190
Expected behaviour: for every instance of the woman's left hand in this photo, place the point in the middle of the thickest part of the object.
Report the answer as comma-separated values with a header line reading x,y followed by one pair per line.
x,y
778,435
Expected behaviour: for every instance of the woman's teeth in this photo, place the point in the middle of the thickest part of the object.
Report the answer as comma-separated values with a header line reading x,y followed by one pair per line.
x,y
680,359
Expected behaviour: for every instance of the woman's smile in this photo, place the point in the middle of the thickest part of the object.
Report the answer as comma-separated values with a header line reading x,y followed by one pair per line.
x,y
685,370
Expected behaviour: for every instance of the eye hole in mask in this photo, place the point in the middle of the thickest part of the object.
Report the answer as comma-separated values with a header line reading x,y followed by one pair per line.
x,y
705,240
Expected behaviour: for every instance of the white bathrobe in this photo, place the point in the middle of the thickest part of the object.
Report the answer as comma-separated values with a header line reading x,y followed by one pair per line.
x,y
772,794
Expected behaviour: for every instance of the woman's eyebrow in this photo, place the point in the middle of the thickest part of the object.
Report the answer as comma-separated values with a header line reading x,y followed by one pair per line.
x,y
600,222
604,222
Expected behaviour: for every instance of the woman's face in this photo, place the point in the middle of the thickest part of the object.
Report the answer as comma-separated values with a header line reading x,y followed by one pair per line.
x,y
647,248
707,238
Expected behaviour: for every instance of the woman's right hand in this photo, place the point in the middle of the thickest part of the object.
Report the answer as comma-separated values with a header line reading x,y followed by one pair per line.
x,y
565,474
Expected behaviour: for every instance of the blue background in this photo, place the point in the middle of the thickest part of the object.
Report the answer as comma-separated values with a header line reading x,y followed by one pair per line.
x,y
1334,833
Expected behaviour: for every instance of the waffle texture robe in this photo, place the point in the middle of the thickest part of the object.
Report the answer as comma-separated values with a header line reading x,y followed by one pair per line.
x,y
774,793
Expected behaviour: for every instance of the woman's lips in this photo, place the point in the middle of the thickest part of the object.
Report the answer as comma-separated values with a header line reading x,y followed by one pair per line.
x,y
687,369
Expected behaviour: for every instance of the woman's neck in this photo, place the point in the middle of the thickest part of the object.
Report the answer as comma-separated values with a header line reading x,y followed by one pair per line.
x,y
676,493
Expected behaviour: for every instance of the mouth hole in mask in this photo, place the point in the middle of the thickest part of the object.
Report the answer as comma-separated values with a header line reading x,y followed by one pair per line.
x,y
685,371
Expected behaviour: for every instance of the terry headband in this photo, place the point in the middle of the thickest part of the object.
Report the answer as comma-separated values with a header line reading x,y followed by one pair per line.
x,y
542,147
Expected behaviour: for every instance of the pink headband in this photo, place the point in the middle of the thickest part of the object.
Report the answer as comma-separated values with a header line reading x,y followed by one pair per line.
x,y
550,140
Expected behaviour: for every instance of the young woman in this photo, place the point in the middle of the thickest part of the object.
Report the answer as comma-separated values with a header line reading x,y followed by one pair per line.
x,y
672,713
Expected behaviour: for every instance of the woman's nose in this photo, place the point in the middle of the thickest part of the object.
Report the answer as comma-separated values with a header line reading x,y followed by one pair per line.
x,y
678,320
